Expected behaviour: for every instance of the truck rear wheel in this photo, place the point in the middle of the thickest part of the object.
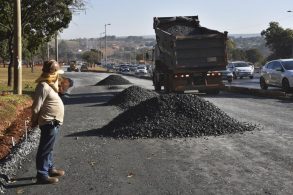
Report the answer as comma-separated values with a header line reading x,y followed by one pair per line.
x,y
213,91
157,87
156,84
167,86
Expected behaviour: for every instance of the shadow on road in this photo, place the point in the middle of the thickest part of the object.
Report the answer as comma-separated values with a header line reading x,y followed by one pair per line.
x,y
244,96
102,132
21,182
98,98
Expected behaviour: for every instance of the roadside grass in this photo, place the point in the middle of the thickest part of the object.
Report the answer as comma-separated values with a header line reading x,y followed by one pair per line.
x,y
9,102
28,79
9,105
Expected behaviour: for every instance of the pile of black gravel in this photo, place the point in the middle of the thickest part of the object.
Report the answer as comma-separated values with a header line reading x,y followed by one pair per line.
x,y
131,96
173,115
114,80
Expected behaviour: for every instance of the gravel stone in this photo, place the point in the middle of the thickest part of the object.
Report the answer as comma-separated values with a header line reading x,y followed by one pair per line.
x,y
173,115
131,96
13,162
114,80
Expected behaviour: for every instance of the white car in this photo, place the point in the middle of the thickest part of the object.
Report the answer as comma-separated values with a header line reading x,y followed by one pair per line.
x,y
241,69
141,69
277,73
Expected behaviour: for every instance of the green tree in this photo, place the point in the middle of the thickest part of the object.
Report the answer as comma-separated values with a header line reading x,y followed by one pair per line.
x,y
254,55
279,40
231,45
238,54
93,56
41,20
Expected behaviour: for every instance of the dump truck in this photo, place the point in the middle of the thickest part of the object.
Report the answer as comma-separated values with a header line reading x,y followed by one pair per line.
x,y
188,56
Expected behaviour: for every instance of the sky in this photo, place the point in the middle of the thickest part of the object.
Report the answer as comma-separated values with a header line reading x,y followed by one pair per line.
x,y
135,17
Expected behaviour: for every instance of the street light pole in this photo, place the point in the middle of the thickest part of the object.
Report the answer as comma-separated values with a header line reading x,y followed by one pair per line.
x,y
106,43
290,11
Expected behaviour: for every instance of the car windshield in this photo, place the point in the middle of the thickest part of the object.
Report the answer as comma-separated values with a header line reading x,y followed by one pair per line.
x,y
288,65
141,67
241,65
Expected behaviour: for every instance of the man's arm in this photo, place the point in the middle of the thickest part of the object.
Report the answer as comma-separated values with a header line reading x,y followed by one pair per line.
x,y
39,98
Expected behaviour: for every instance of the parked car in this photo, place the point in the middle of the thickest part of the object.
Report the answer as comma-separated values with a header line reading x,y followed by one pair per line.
x,y
141,69
241,69
277,73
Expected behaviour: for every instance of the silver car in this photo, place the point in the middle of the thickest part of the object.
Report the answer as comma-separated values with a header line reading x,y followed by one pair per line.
x,y
241,69
277,73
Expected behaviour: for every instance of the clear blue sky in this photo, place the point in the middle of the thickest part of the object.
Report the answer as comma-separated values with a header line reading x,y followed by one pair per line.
x,y
135,17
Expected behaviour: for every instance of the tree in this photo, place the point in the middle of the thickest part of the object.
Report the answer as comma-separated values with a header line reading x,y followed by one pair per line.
x,y
279,40
231,45
93,56
41,20
254,55
238,54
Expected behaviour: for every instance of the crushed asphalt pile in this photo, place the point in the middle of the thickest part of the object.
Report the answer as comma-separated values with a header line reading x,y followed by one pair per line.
x,y
114,80
131,96
181,30
173,115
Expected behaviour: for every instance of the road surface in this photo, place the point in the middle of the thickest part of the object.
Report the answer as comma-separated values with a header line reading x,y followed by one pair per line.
x,y
258,162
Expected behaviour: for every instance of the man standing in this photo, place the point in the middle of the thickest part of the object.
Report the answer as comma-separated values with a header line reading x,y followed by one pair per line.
x,y
48,114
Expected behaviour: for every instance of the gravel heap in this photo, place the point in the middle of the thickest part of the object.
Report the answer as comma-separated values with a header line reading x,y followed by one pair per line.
x,y
114,80
131,96
182,30
173,115
14,161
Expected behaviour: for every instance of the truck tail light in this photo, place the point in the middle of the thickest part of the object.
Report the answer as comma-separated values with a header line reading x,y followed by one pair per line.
x,y
181,75
213,74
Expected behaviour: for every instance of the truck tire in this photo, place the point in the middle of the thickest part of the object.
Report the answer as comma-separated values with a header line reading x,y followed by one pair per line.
x,y
167,88
213,91
156,83
157,87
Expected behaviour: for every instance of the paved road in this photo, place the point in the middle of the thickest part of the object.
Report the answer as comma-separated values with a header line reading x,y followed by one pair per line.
x,y
259,162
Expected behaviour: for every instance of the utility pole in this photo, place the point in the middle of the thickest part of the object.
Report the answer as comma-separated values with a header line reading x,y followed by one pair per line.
x,y
56,47
17,54
106,43
48,51
101,40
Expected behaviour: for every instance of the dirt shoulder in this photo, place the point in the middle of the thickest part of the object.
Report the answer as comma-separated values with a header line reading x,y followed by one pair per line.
x,y
15,113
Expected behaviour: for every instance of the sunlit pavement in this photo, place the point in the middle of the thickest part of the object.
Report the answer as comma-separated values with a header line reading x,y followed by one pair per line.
x,y
249,83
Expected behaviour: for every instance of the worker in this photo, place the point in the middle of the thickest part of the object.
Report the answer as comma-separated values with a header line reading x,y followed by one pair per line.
x,y
47,114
